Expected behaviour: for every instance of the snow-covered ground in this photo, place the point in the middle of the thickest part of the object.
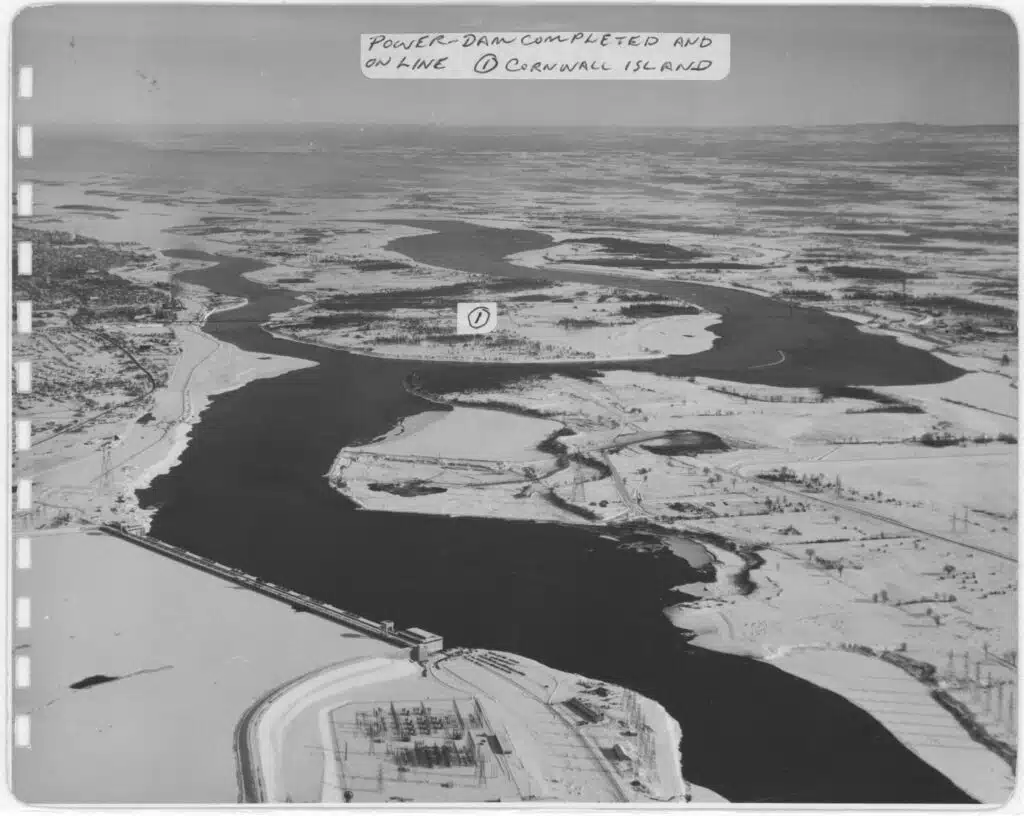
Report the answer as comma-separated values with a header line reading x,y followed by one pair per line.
x,y
905,707
186,652
829,551
309,741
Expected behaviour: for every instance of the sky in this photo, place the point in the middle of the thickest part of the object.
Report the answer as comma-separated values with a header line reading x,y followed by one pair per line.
x,y
251,64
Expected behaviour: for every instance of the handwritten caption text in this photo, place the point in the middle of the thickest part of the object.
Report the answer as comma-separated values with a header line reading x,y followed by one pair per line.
x,y
545,55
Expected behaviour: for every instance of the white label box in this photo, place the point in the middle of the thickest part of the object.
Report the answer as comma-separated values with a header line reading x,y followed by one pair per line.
x,y
546,55
476,318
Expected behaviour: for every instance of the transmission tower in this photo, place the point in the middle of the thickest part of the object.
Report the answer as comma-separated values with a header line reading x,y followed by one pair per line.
x,y
579,491
105,467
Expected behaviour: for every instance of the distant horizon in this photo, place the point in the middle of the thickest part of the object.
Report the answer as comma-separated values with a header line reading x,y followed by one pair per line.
x,y
485,126
159,66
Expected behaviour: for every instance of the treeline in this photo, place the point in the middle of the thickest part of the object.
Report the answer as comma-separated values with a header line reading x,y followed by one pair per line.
x,y
939,439
756,397
635,310
939,303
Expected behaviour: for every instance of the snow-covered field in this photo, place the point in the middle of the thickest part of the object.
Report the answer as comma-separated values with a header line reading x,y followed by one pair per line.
x,y
904,707
186,654
829,552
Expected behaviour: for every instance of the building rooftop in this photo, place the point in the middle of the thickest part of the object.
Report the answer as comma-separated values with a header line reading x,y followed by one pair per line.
x,y
421,634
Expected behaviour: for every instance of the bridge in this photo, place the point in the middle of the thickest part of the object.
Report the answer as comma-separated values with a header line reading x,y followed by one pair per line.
x,y
421,642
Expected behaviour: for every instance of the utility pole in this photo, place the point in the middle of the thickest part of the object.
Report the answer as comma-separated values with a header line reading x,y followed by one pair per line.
x,y
481,769
1011,712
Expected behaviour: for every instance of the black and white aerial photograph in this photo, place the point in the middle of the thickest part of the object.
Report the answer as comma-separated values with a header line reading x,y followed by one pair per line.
x,y
485,404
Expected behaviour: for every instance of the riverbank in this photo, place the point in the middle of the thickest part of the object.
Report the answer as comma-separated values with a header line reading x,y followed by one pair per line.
x,y
906,707
207,368
124,454
566,617
251,486
765,598
393,498
799,620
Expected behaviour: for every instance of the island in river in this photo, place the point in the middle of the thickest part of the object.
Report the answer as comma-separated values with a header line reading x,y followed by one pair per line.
x,y
601,449
806,508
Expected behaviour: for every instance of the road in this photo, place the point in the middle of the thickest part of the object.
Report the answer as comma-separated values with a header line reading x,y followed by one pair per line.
x,y
185,375
294,599
616,787
620,486
82,422
850,508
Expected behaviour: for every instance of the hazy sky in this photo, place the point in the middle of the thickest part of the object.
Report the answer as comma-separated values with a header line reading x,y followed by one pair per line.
x,y
247,64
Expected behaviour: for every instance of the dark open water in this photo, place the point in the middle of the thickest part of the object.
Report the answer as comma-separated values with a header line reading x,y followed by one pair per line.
x,y
250,492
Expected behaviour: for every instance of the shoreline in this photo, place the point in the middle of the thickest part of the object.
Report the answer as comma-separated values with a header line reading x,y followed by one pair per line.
x,y
814,662
526,361
290,339
957,754
736,571
197,395
223,368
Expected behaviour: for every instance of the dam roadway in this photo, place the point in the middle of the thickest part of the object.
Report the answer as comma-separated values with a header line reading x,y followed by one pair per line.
x,y
379,630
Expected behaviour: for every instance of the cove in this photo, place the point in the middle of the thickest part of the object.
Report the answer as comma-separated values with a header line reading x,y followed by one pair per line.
x,y
250,492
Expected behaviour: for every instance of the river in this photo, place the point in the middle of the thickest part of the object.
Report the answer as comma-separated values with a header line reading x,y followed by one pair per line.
x,y
250,492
